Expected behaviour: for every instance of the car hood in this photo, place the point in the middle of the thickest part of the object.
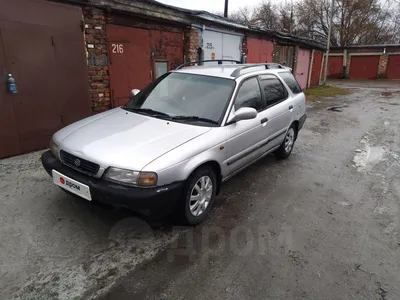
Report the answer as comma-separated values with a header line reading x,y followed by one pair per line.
x,y
123,139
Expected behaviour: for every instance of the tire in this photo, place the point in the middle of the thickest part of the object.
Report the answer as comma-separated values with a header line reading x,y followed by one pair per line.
x,y
286,147
190,210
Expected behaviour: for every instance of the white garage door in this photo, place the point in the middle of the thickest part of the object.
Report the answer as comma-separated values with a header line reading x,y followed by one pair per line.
x,y
217,45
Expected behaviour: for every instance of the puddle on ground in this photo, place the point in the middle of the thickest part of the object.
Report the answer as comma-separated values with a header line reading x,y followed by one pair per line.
x,y
368,156
389,93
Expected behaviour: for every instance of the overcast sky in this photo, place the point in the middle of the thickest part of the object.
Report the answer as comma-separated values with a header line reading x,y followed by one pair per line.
x,y
210,5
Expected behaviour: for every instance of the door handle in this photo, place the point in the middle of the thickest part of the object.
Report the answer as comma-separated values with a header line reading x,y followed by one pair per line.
x,y
265,120
290,107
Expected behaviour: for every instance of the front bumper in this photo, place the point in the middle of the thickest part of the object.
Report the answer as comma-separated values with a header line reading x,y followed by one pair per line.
x,y
146,201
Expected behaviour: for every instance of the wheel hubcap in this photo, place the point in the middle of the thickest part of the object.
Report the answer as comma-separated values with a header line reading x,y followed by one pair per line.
x,y
289,140
200,196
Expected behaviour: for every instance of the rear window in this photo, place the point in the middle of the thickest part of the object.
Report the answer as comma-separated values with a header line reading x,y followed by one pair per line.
x,y
273,88
292,83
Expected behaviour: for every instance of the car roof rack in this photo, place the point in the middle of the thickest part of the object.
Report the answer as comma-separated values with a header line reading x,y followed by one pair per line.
x,y
220,61
236,73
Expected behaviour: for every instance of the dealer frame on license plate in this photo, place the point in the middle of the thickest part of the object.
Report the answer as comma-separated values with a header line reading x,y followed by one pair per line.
x,y
71,185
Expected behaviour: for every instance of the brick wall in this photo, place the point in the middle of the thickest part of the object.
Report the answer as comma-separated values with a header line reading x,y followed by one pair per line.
x,y
192,44
383,61
97,59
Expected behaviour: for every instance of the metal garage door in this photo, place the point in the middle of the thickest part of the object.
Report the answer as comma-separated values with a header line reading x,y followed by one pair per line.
x,y
303,64
364,67
138,56
316,68
44,51
393,67
217,45
259,51
335,67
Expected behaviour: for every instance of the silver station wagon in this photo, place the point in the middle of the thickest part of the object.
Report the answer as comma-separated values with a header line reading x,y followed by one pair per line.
x,y
169,149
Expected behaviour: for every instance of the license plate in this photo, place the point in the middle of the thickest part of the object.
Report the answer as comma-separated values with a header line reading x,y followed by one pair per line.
x,y
72,185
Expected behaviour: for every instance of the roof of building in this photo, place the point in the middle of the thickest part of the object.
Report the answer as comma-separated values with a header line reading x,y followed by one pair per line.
x,y
280,37
370,46
188,16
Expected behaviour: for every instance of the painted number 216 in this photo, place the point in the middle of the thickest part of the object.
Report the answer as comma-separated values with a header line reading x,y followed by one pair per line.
x,y
117,48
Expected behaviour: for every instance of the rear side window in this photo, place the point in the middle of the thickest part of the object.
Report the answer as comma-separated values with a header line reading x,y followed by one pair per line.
x,y
273,89
249,95
292,83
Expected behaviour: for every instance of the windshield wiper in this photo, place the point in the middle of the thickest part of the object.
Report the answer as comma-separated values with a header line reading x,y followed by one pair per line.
x,y
147,111
194,118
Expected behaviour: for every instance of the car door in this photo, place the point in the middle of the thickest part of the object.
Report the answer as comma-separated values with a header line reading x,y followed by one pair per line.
x,y
246,138
279,110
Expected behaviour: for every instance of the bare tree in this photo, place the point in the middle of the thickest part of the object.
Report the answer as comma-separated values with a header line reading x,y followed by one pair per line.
x,y
286,12
265,16
354,21
243,15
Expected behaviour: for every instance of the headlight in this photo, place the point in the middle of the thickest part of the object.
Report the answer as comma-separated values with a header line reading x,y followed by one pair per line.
x,y
54,148
121,175
145,179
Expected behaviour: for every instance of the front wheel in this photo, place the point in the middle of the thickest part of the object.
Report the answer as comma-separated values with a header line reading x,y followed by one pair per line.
x,y
287,145
198,197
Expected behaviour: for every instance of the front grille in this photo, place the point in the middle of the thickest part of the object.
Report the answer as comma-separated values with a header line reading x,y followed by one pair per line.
x,y
79,164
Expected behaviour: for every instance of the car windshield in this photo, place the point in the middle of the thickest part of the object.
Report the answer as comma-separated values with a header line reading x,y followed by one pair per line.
x,y
185,98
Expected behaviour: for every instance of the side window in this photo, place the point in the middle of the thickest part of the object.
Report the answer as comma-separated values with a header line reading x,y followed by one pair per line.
x,y
273,89
292,83
249,95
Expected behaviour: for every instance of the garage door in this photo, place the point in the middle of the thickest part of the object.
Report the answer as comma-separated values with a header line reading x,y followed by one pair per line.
x,y
316,68
335,67
364,67
44,51
303,64
259,51
217,45
393,67
138,56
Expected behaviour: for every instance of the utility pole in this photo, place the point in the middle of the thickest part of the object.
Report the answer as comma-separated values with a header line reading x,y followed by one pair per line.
x,y
226,9
328,42
291,17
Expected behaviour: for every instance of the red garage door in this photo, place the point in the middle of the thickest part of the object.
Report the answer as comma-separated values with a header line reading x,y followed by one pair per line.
x,y
42,46
259,51
364,67
138,56
316,68
393,67
335,67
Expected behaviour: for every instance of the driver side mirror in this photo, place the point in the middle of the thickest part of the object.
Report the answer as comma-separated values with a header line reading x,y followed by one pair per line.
x,y
134,92
244,113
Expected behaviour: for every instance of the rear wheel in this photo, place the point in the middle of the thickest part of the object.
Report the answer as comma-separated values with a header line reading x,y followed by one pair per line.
x,y
287,145
198,197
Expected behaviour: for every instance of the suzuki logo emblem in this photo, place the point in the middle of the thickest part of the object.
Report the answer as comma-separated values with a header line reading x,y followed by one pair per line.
x,y
77,162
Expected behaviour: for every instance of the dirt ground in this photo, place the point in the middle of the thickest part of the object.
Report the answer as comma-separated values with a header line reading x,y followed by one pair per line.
x,y
323,224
